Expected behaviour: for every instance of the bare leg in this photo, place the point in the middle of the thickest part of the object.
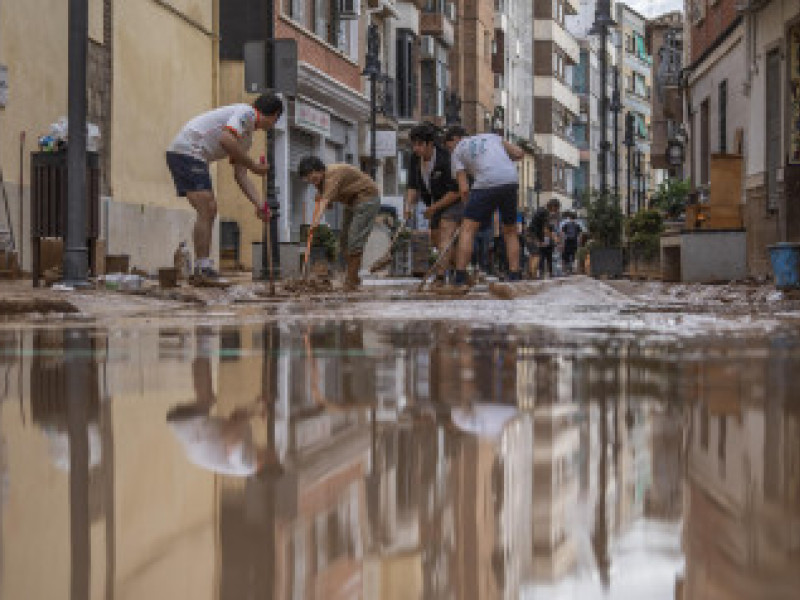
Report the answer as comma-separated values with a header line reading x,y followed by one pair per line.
x,y
446,232
205,205
511,238
465,242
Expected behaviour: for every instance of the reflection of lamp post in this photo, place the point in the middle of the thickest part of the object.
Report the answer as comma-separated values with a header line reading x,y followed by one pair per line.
x,y
372,69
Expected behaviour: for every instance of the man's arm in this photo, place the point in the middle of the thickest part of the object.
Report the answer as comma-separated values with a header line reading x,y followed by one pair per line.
x,y
239,156
412,197
514,152
320,206
463,185
445,201
246,185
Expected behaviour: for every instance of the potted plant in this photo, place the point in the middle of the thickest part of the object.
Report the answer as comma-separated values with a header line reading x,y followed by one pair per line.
x,y
323,244
671,198
643,231
604,220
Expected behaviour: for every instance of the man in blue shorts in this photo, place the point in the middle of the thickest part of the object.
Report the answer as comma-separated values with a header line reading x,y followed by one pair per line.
x,y
225,132
489,160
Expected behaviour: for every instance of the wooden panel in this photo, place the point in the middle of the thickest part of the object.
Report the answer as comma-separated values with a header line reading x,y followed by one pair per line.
x,y
726,180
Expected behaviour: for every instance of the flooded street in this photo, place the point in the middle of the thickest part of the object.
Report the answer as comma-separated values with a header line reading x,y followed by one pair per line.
x,y
404,460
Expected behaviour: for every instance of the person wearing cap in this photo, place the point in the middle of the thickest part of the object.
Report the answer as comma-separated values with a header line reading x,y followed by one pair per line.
x,y
489,159
359,196
430,179
225,132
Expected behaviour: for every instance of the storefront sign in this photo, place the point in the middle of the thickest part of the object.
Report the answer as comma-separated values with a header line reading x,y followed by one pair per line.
x,y
794,95
312,119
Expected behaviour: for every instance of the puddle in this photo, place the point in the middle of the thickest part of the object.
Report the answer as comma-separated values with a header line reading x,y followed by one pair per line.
x,y
405,460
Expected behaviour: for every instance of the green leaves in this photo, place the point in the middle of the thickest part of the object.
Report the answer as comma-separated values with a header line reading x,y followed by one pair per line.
x,y
604,218
670,197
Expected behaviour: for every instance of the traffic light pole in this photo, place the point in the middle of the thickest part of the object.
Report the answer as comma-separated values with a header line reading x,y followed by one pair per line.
x,y
270,237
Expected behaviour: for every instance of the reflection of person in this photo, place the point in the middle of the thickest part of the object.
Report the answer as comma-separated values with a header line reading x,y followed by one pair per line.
x,y
361,200
223,445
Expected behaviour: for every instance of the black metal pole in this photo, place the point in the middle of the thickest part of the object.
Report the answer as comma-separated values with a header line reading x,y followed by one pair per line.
x,y
603,108
630,174
76,254
373,101
272,195
616,108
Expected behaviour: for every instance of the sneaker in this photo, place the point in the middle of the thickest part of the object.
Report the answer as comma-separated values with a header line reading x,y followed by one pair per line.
x,y
514,276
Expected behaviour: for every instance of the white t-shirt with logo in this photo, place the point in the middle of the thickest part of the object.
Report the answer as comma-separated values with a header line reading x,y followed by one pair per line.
x,y
484,157
200,137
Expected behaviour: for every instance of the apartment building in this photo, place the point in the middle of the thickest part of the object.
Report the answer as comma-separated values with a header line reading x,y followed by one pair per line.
x,y
556,105
512,65
665,45
636,77
586,83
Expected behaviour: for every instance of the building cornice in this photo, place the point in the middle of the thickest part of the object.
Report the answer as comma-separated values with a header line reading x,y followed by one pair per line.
x,y
343,99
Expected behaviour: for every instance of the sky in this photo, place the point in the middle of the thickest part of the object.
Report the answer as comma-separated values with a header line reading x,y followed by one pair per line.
x,y
653,8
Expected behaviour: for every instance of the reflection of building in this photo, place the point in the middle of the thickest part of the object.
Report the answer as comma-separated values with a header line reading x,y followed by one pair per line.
x,y
741,522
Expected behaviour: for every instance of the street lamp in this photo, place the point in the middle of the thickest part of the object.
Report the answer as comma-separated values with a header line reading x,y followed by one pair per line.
x,y
638,171
372,69
629,144
452,109
616,108
602,21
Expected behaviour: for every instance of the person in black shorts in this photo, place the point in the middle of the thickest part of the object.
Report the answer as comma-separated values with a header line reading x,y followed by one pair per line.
x,y
489,159
572,232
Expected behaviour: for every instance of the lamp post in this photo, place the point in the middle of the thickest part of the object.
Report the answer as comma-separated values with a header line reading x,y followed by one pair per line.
x,y
76,253
602,21
372,69
452,109
269,236
616,108
638,173
537,187
629,144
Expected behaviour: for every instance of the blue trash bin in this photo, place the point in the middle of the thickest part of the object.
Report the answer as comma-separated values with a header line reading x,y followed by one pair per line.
x,y
785,258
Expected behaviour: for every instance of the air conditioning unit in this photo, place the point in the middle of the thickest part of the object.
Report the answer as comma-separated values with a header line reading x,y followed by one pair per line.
x,y
427,47
349,9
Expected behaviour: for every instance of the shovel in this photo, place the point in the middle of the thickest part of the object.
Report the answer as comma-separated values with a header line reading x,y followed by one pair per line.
x,y
267,218
445,252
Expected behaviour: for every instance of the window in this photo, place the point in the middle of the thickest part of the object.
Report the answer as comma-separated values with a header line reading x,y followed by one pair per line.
x,y
723,116
405,74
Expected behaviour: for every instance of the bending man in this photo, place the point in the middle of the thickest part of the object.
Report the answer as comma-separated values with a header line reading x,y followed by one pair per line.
x,y
225,132
489,159
361,200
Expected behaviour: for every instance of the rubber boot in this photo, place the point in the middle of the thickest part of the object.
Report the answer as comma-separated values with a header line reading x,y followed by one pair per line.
x,y
351,280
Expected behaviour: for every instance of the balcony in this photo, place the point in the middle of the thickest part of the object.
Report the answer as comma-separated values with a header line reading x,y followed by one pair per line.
x,y
547,30
501,21
437,25
550,87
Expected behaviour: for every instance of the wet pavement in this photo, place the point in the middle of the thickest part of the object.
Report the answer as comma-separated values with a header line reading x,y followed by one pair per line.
x,y
411,459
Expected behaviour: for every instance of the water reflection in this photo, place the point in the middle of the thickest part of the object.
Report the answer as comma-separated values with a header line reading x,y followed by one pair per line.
x,y
430,460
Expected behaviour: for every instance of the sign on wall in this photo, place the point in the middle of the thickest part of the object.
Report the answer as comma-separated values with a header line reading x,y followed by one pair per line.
x,y
794,95
385,144
312,119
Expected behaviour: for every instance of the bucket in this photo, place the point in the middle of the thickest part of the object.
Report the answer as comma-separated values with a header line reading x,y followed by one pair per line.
x,y
168,278
785,258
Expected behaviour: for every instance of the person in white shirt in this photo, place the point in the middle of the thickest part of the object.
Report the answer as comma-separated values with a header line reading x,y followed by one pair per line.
x,y
225,132
489,160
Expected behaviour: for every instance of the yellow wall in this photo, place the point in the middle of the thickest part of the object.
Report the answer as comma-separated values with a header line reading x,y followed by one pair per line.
x,y
35,51
163,70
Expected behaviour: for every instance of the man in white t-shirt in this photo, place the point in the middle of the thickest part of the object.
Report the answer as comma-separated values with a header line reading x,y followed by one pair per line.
x,y
489,160
225,132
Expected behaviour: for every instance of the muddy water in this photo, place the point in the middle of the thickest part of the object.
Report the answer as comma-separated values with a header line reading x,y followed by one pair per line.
x,y
425,460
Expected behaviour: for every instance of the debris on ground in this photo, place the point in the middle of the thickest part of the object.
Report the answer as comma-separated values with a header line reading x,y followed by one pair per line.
x,y
23,306
309,286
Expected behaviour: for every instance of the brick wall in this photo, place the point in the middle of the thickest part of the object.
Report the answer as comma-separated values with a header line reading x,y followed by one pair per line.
x,y
312,50
718,16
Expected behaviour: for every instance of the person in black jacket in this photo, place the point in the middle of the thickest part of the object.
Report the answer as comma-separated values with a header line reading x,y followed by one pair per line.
x,y
431,180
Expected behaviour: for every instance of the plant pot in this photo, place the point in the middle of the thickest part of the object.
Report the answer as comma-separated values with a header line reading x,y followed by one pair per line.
x,y
785,259
606,262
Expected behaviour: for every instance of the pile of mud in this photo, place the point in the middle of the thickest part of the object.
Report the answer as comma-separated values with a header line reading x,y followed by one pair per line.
x,y
309,286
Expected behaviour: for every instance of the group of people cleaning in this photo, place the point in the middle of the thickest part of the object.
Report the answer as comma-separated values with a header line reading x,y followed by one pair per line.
x,y
462,182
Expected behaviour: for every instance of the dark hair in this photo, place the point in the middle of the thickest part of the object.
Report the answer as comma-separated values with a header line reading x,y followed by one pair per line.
x,y
268,104
456,131
424,132
308,165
